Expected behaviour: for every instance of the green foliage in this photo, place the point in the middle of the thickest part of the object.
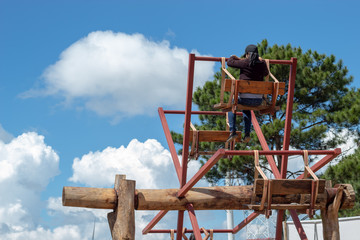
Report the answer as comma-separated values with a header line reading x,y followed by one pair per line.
x,y
347,171
323,103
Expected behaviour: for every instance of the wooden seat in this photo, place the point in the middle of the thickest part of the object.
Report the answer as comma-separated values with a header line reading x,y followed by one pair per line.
x,y
197,136
267,188
211,135
235,86
256,87
286,187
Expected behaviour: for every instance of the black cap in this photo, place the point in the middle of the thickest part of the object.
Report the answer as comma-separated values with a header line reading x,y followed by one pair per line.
x,y
250,48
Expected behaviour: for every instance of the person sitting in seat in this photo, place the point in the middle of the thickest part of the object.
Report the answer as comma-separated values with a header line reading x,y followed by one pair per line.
x,y
251,68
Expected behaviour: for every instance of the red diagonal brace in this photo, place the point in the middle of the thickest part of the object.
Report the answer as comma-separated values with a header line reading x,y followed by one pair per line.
x,y
298,225
153,222
203,170
170,142
245,222
193,221
264,145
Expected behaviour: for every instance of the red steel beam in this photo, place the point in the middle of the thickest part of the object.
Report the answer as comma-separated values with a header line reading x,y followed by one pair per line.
x,y
198,112
170,142
202,171
282,152
218,59
279,218
286,140
289,110
185,152
264,145
153,222
180,223
193,221
245,222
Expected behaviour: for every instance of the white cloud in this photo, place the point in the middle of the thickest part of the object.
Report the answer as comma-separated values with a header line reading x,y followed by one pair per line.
x,y
116,74
148,163
27,165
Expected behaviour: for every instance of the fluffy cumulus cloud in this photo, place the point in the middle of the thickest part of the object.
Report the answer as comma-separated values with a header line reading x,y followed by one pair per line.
x,y
116,74
148,163
27,165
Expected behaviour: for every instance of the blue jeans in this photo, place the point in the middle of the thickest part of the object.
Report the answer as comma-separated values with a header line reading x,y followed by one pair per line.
x,y
246,113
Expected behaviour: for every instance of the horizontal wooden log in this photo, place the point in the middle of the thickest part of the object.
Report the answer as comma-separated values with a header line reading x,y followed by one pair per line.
x,y
209,198
103,198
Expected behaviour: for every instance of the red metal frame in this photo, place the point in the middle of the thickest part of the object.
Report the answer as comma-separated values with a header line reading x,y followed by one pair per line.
x,y
181,171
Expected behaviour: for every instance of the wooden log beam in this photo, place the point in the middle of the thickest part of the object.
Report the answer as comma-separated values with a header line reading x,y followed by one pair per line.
x,y
208,198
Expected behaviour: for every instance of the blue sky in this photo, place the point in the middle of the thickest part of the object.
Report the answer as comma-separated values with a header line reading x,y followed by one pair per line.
x,y
80,80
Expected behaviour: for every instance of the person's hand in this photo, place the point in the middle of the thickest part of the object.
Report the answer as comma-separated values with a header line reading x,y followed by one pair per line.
x,y
236,57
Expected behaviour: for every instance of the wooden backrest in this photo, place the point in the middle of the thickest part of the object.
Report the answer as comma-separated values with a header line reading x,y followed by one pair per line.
x,y
289,186
256,87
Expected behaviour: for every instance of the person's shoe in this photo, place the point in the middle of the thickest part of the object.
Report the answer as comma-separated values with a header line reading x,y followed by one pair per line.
x,y
232,136
246,138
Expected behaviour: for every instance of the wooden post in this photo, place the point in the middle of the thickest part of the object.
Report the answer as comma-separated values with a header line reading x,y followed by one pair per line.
x,y
285,230
329,215
122,220
112,215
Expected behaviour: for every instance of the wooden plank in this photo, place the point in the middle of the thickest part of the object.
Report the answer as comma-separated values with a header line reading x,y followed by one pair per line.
x,y
256,87
214,136
289,186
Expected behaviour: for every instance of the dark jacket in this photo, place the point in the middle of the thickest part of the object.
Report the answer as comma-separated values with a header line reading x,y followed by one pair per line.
x,y
256,72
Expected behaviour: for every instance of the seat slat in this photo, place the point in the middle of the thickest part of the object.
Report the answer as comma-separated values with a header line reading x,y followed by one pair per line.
x,y
213,136
283,206
289,186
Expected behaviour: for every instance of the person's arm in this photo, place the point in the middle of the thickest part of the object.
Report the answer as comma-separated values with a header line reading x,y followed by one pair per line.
x,y
236,62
